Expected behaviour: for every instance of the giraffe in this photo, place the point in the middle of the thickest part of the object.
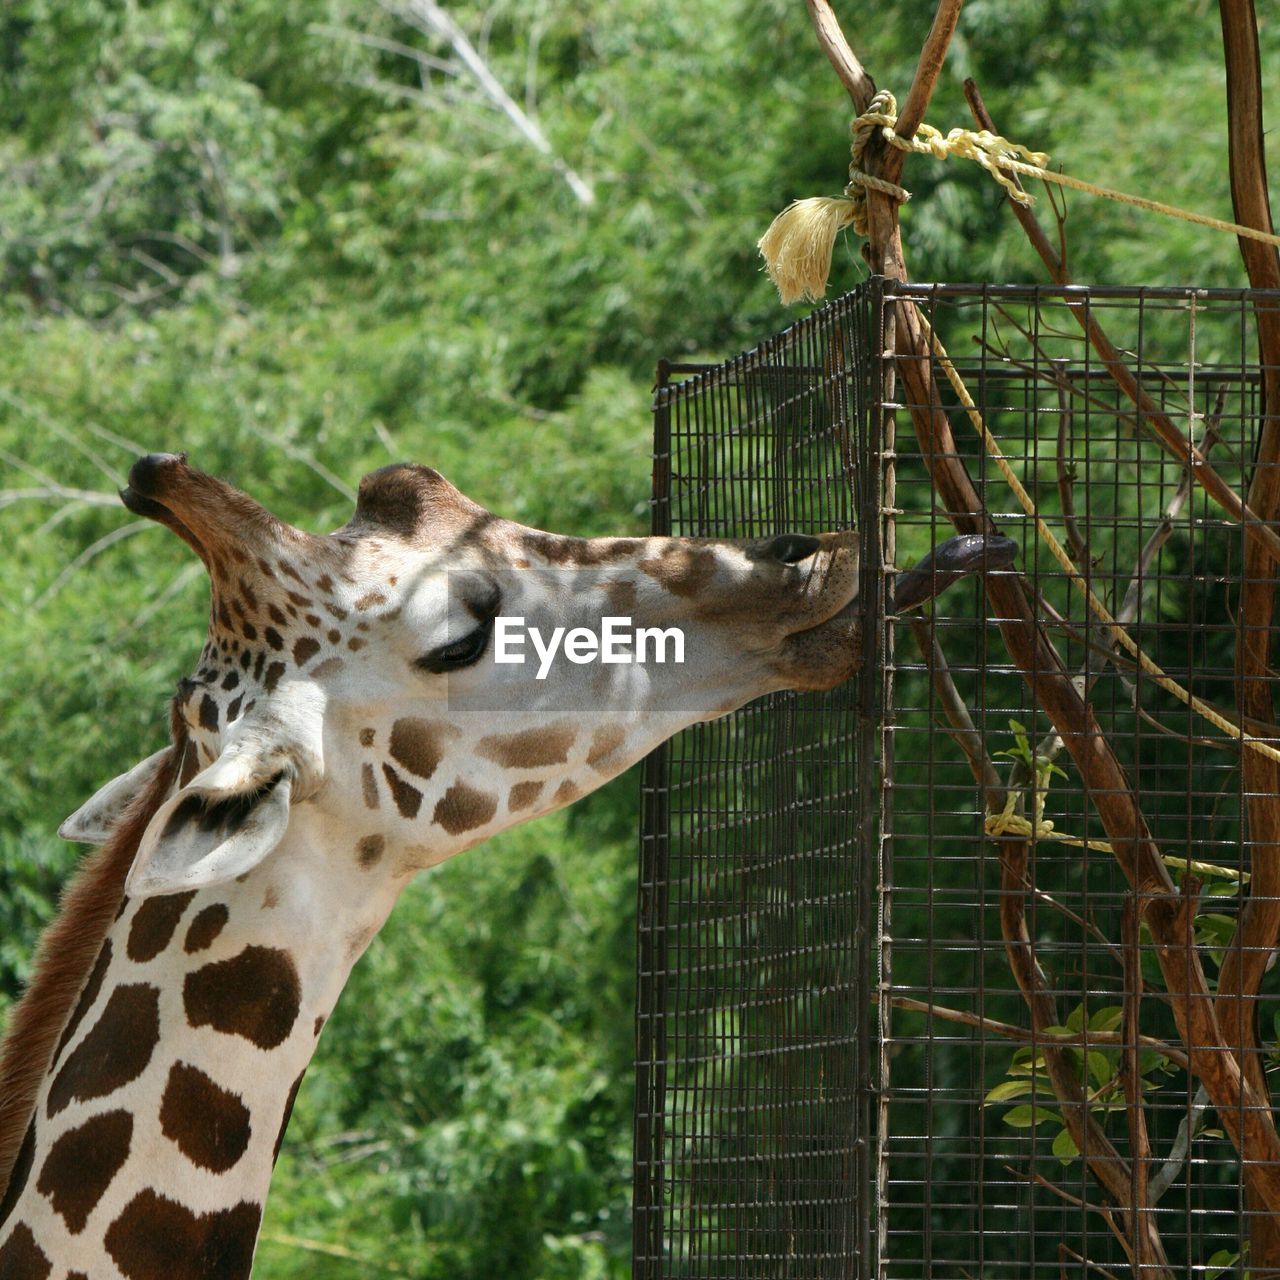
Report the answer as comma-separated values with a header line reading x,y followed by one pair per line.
x,y
346,727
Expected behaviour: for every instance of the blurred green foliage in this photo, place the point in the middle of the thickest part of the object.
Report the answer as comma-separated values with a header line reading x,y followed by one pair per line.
x,y
275,234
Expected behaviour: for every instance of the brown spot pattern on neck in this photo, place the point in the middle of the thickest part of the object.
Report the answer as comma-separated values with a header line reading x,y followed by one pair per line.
x,y
255,995
209,1124
115,1052
81,1165
21,1258
154,924
155,1238
209,922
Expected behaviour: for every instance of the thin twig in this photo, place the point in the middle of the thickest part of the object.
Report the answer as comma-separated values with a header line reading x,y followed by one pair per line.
x,y
1029,1035
859,86
1131,1082
175,584
1065,1252
430,17
1180,1151
1066,479
385,45
309,460
89,553
63,433
50,492
962,728
932,55
330,1251
385,438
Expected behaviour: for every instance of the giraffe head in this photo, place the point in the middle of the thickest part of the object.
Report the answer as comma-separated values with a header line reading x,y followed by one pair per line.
x,y
351,681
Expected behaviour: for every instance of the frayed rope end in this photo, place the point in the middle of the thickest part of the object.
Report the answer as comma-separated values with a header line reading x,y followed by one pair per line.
x,y
798,246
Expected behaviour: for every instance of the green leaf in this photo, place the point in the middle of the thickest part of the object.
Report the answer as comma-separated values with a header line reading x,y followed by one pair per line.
x,y
1010,1089
1212,927
1034,1068
1152,1060
1108,1018
1101,1066
1220,1263
1026,1116
1064,1147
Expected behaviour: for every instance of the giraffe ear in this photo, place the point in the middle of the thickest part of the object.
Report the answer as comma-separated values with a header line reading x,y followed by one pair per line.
x,y
93,821
225,822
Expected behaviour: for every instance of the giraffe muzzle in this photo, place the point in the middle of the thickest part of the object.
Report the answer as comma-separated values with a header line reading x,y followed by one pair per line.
x,y
204,511
147,476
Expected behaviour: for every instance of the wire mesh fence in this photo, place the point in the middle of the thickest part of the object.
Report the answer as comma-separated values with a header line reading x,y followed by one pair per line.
x,y
901,1012
755,1015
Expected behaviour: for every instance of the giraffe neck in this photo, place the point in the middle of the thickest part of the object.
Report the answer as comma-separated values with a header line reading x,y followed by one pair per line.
x,y
156,1128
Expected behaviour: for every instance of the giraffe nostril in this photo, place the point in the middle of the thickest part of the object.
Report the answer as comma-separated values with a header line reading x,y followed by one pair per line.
x,y
791,548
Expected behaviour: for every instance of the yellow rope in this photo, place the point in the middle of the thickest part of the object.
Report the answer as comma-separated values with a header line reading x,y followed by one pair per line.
x,y
1118,633
995,154
798,246
987,149
1008,823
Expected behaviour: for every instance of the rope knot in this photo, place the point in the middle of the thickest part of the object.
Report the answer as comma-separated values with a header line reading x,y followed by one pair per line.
x,y
1009,823
798,246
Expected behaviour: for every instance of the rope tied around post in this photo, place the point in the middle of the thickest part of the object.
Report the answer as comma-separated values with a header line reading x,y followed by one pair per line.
x,y
979,145
799,244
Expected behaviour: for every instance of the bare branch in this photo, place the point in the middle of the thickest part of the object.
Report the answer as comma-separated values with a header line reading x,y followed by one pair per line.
x,y
932,56
1065,1253
310,461
89,553
1258,930
953,705
1180,1152
1066,484
382,43
1153,417
860,86
1131,1081
430,17
1028,1035
48,493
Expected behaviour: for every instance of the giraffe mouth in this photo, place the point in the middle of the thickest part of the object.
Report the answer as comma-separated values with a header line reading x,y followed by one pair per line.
x,y
840,616
836,597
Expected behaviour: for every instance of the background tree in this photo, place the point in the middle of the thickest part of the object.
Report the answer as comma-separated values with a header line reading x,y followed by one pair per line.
x,y
295,240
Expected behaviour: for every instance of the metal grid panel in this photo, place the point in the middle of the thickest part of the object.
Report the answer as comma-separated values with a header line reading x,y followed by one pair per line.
x,y
969,1184
754,995
761,925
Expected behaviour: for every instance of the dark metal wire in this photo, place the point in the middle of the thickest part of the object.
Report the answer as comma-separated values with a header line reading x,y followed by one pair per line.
x,y
819,900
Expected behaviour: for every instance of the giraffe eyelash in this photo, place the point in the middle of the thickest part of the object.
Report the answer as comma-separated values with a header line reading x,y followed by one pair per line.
x,y
460,653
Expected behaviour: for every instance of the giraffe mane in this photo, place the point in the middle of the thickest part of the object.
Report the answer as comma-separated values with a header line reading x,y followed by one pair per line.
x,y
67,950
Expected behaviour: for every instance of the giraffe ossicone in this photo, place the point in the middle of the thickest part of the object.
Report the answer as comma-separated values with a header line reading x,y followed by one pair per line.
x,y
345,727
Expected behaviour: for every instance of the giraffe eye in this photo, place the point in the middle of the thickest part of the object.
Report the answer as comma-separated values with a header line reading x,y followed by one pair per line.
x,y
459,654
